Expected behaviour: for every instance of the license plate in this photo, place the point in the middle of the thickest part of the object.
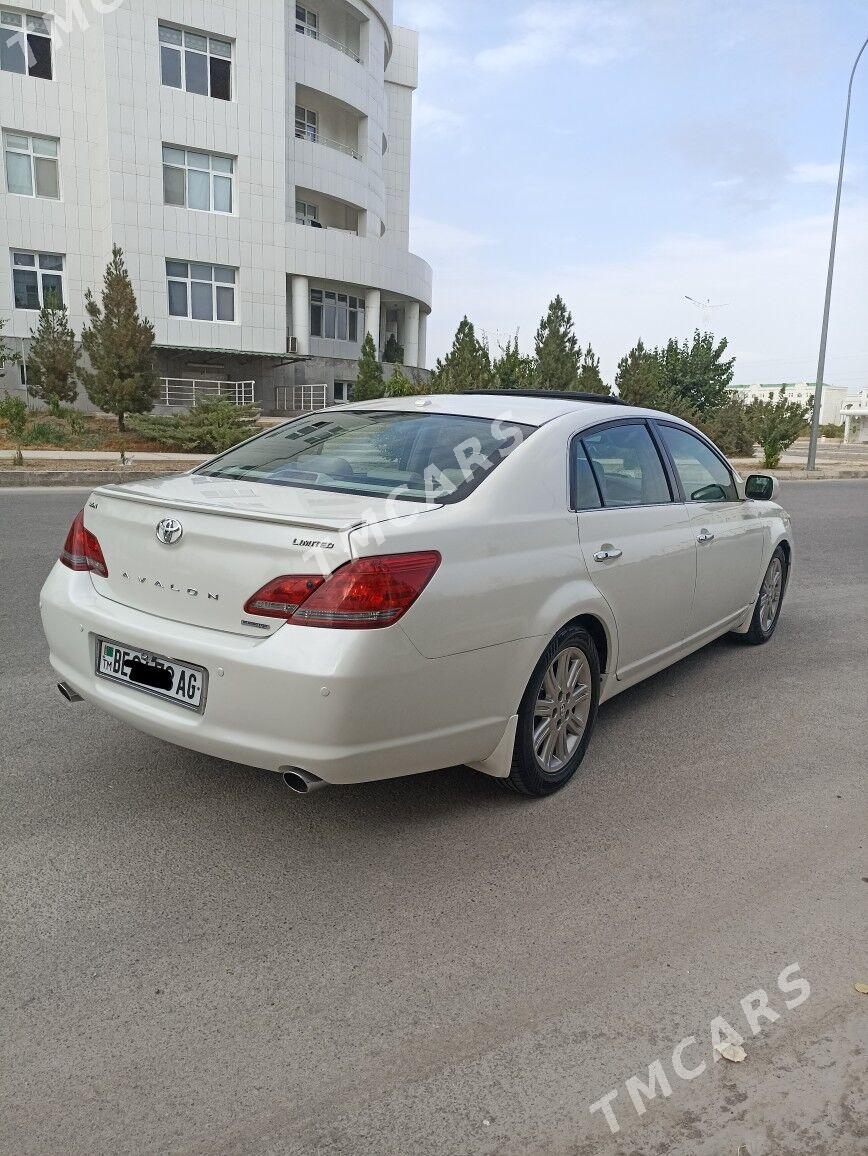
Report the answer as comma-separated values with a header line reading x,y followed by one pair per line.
x,y
178,682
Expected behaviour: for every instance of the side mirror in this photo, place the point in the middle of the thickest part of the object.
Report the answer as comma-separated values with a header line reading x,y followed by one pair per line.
x,y
710,493
762,488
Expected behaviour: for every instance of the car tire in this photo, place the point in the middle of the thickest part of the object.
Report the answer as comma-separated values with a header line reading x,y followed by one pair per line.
x,y
767,610
545,759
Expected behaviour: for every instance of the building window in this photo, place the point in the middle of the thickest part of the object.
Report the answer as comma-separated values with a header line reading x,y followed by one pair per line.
x,y
25,44
202,292
201,64
37,279
306,21
31,165
197,180
305,123
307,214
343,392
337,316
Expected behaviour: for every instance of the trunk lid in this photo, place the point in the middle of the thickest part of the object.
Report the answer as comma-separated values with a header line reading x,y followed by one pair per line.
x,y
235,537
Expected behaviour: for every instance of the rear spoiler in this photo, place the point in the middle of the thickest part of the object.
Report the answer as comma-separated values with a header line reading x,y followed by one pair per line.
x,y
127,494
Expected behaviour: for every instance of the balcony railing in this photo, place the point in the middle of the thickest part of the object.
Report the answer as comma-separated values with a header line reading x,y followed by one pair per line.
x,y
315,34
180,392
308,133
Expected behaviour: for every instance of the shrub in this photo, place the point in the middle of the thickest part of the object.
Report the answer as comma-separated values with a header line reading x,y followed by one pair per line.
x,y
776,425
45,433
394,351
14,412
832,431
211,426
399,386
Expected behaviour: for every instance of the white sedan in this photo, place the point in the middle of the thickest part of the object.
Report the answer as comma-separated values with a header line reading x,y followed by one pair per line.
x,y
403,585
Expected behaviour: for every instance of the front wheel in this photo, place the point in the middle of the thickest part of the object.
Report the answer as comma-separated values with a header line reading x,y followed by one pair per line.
x,y
557,715
767,610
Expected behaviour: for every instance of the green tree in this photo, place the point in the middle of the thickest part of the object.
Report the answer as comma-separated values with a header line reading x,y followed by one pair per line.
x,y
638,378
52,363
466,366
690,378
119,344
369,381
212,425
557,352
14,412
776,425
513,369
730,429
697,373
589,380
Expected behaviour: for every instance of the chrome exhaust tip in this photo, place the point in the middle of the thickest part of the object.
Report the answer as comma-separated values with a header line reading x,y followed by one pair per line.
x,y
68,693
302,782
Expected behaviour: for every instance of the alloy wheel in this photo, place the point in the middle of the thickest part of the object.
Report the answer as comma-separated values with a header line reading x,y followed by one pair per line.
x,y
561,709
770,595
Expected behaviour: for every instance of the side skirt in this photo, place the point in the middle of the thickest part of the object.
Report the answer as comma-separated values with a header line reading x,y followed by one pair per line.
x,y
674,654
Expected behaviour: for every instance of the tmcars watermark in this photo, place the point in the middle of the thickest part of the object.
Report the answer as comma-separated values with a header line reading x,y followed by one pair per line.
x,y
78,15
471,464
722,1036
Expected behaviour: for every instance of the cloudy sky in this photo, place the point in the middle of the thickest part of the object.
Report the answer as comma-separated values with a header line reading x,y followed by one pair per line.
x,y
628,152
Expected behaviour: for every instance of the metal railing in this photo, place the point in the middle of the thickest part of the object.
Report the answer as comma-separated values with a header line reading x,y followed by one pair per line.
x,y
300,398
310,134
315,34
178,392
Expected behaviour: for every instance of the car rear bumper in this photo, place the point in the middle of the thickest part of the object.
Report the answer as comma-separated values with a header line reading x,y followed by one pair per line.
x,y
348,706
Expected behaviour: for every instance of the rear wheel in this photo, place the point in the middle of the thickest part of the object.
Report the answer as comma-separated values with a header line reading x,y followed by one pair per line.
x,y
767,610
556,715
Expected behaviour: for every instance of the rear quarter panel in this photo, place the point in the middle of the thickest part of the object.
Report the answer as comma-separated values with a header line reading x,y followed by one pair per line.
x,y
511,565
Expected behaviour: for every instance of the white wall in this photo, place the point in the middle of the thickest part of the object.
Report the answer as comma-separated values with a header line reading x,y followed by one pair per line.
x,y
111,113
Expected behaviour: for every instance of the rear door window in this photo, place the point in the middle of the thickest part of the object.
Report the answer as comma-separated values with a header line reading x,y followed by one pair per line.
x,y
627,466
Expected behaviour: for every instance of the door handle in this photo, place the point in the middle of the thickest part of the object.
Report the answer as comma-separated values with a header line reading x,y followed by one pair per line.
x,y
606,555
705,536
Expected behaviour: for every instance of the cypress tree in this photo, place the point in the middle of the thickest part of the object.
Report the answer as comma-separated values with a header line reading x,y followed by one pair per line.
x,y
119,344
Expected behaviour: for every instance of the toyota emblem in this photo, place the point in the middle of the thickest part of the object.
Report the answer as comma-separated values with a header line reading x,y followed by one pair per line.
x,y
169,531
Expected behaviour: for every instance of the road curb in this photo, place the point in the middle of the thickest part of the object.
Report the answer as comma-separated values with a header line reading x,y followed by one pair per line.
x,y
16,479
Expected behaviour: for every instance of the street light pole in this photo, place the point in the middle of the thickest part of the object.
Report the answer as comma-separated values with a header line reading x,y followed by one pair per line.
x,y
821,367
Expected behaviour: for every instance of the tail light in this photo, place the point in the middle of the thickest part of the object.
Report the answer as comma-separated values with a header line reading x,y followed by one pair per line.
x,y
361,595
81,550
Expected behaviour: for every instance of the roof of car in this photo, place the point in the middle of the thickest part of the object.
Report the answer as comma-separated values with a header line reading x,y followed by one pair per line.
x,y
526,407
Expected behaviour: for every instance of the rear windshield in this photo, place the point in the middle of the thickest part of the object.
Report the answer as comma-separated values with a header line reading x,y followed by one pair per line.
x,y
414,457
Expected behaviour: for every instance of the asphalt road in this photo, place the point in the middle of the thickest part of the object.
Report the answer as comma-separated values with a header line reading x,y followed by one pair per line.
x,y
195,960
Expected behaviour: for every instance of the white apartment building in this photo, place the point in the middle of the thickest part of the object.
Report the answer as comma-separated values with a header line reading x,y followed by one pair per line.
x,y
252,160
802,393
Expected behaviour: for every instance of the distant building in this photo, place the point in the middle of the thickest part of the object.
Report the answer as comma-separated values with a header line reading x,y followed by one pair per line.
x,y
833,398
252,159
854,411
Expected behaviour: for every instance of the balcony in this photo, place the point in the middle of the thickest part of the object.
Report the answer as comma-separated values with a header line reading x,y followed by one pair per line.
x,y
305,132
334,23
324,38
